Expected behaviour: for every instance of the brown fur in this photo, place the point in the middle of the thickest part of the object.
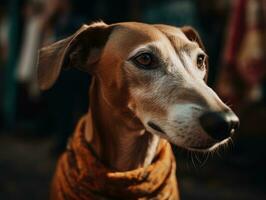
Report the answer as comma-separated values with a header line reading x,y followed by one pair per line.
x,y
113,127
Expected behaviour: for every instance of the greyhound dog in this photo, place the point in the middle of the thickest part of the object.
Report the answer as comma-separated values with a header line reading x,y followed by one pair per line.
x,y
148,89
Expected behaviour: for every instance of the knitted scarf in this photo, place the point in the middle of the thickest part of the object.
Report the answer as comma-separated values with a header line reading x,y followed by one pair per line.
x,y
80,175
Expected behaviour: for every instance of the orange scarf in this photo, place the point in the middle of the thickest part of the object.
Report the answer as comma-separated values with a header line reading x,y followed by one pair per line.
x,y
81,176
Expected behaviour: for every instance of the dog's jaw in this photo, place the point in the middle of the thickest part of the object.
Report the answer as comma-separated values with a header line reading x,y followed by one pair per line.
x,y
118,145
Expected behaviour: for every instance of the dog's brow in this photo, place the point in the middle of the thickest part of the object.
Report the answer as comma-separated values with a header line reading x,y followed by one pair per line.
x,y
150,47
154,49
188,47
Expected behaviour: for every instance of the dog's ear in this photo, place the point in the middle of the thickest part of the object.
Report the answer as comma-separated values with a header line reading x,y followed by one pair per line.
x,y
193,35
81,50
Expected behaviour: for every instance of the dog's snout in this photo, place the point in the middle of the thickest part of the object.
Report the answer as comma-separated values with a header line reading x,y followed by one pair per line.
x,y
219,125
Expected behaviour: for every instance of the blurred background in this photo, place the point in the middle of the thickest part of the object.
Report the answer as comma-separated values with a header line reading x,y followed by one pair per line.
x,y
34,125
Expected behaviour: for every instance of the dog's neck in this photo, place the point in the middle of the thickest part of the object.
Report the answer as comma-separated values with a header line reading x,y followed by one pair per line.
x,y
117,145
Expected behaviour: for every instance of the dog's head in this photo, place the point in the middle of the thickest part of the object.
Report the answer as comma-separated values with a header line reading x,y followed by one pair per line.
x,y
156,72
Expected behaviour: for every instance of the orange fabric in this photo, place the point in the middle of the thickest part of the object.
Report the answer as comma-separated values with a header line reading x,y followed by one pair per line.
x,y
81,176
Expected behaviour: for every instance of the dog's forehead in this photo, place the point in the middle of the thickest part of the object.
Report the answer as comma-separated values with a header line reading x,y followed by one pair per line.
x,y
127,36
171,31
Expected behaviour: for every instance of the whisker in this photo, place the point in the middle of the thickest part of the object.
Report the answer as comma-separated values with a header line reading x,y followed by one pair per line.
x,y
205,160
187,164
198,159
231,143
217,152
193,160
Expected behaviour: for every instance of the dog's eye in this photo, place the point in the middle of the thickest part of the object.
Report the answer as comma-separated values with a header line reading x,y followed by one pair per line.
x,y
144,60
201,61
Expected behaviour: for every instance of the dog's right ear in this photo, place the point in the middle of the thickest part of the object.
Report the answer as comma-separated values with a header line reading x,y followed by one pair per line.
x,y
81,50
193,35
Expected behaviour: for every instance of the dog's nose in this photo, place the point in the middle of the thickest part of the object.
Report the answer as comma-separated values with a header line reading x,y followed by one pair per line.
x,y
219,125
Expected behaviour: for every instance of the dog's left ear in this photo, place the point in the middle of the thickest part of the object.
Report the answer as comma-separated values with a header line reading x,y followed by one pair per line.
x,y
81,50
193,35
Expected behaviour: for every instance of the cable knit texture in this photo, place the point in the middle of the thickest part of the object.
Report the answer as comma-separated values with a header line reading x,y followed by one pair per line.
x,y
80,175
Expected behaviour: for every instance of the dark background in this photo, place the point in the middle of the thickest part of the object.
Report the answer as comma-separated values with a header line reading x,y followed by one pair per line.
x,y
34,126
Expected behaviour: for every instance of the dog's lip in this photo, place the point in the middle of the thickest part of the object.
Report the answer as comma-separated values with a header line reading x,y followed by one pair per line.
x,y
155,127
200,148
208,147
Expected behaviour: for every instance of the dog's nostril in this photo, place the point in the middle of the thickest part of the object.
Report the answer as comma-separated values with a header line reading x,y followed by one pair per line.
x,y
219,125
155,127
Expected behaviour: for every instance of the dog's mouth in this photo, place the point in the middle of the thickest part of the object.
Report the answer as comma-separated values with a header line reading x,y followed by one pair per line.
x,y
206,147
156,127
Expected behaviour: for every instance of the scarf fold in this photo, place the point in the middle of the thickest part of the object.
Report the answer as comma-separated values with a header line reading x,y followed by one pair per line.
x,y
81,175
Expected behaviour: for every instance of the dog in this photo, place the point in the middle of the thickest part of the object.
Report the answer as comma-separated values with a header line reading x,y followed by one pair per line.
x,y
148,90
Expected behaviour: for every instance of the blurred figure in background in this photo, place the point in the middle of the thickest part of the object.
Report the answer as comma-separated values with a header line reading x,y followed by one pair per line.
x,y
57,110
241,79
65,102
3,52
3,36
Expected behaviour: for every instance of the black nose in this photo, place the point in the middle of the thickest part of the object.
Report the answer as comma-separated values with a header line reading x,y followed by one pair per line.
x,y
219,125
